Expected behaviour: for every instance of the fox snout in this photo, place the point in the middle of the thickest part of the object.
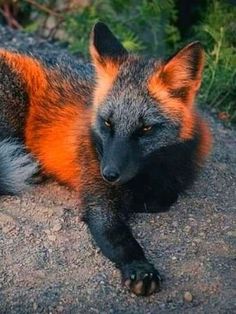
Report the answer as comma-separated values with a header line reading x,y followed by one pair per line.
x,y
119,162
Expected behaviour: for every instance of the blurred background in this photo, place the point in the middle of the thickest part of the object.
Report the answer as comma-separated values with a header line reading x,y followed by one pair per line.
x,y
151,27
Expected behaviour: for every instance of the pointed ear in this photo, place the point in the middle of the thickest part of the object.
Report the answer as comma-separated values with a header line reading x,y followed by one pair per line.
x,y
185,68
174,85
107,55
105,49
176,82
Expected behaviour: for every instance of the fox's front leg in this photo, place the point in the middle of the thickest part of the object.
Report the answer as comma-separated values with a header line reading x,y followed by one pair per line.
x,y
116,241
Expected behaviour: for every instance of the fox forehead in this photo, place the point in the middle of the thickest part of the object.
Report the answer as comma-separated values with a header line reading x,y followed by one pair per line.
x,y
130,110
135,71
128,104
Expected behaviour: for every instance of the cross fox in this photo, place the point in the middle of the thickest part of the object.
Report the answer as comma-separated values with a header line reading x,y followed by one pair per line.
x,y
122,130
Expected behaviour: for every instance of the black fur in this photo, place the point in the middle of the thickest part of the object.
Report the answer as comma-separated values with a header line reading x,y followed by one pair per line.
x,y
180,93
107,221
13,102
154,166
106,43
165,175
195,58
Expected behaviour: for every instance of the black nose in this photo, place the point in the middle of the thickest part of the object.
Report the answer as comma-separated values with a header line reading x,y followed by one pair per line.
x,y
110,175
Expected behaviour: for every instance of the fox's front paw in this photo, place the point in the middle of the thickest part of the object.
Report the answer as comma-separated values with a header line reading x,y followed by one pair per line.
x,y
141,278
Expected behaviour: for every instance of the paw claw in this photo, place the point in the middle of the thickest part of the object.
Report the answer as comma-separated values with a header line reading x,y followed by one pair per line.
x,y
132,277
127,283
152,288
138,288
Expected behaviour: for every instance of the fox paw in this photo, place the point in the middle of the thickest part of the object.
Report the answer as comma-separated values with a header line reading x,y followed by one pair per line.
x,y
141,278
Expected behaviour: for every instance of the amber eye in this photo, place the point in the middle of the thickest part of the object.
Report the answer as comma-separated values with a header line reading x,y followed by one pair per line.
x,y
107,123
147,128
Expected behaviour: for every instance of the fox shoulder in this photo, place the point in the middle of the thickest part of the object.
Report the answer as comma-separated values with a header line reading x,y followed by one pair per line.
x,y
29,71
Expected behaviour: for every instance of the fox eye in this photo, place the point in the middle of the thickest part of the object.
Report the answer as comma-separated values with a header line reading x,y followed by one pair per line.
x,y
146,128
107,123
143,130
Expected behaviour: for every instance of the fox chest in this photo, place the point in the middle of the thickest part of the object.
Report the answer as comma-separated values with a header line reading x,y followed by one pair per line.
x,y
152,195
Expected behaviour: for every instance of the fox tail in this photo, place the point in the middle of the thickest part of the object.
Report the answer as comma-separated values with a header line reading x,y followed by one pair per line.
x,y
17,167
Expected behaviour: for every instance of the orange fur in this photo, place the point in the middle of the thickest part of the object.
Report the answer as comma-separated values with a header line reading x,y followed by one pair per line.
x,y
55,133
205,140
29,69
56,149
60,138
174,76
172,107
179,68
57,127
106,73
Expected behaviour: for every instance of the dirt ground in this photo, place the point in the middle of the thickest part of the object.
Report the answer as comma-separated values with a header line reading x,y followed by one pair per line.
x,y
48,263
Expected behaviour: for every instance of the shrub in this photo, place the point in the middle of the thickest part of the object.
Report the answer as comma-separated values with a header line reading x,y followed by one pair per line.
x,y
217,31
149,26
140,25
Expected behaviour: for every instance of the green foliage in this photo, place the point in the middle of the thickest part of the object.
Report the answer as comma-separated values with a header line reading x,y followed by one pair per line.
x,y
149,26
140,25
218,33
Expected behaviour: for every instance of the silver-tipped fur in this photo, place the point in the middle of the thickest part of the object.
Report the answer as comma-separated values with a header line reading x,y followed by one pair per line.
x,y
16,167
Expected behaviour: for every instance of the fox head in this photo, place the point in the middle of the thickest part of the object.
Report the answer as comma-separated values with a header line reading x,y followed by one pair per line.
x,y
140,105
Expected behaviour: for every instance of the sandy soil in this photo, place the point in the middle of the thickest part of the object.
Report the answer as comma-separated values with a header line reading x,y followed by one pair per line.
x,y
50,265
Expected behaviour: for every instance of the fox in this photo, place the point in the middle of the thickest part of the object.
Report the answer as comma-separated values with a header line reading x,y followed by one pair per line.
x,y
122,130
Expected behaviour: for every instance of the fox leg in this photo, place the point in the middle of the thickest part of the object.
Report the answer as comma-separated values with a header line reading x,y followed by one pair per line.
x,y
114,237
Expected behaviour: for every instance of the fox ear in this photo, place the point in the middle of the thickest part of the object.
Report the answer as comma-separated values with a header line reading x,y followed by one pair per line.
x,y
174,85
176,82
107,55
185,68
105,48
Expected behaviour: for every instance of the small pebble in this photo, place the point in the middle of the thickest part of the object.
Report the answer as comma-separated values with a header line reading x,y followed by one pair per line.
x,y
57,227
231,233
52,238
8,228
28,232
60,308
188,296
187,229
35,306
